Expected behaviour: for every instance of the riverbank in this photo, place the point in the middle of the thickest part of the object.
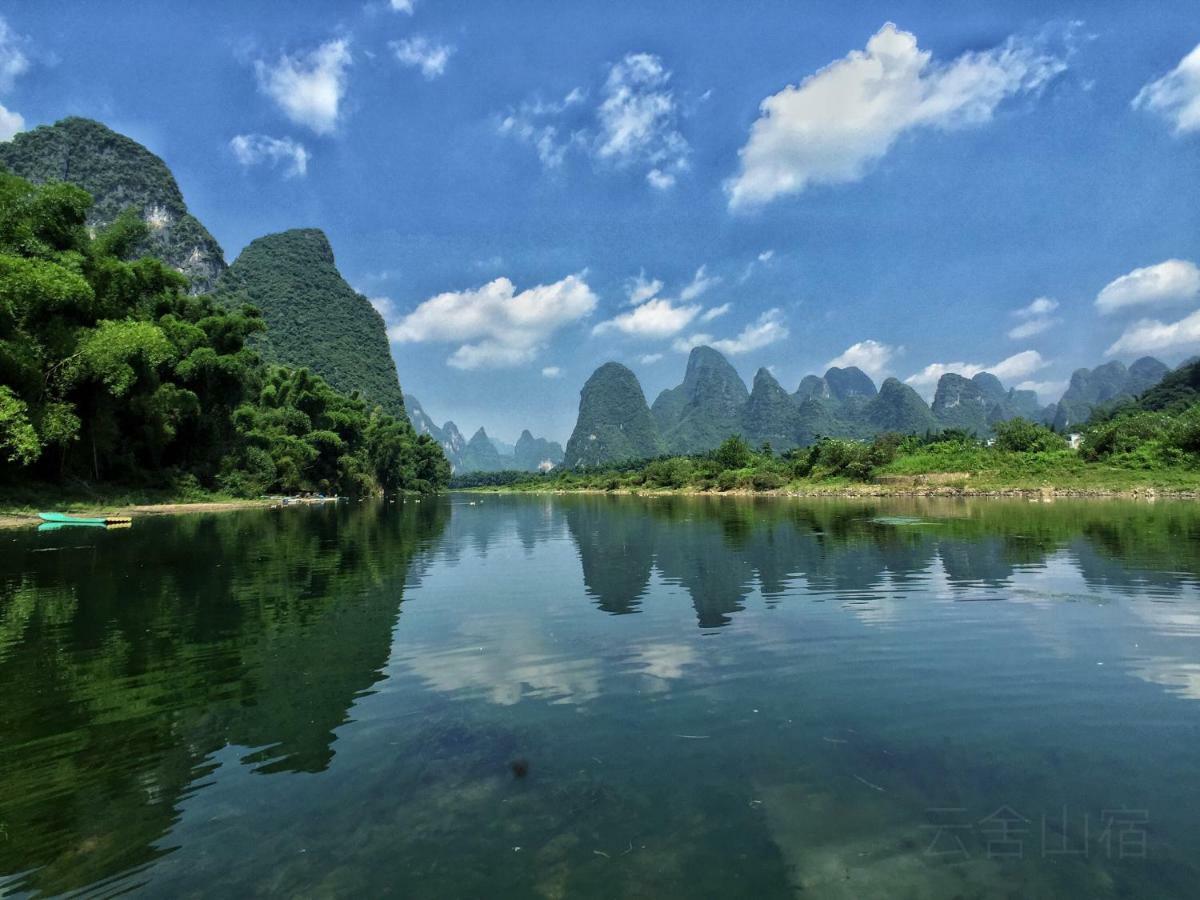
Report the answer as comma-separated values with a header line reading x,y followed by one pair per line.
x,y
1121,484
21,505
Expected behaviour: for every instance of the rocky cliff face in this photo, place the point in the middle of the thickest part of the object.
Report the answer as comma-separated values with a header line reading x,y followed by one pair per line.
x,y
1110,383
314,318
120,174
536,454
614,421
770,414
897,407
481,455
706,408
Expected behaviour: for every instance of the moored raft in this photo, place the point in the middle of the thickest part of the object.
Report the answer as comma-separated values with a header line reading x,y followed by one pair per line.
x,y
57,518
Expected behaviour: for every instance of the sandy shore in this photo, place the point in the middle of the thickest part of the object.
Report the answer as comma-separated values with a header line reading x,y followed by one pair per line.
x,y
28,520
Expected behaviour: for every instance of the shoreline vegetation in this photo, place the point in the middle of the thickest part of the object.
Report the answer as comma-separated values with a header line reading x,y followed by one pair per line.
x,y
1126,453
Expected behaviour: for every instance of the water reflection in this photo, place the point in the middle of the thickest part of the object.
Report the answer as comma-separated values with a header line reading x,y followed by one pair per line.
x,y
718,695
130,658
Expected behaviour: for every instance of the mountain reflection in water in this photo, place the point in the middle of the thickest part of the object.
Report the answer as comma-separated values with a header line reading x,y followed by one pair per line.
x,y
715,696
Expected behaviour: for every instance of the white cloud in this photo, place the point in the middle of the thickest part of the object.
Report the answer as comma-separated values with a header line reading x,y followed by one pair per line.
x,y
639,118
1172,281
420,52
528,123
13,64
1151,335
404,6
11,123
650,358
1047,391
552,372
494,325
716,312
1031,328
640,289
1176,96
1036,318
660,180
1019,365
309,88
13,61
843,118
657,318
385,307
252,149
766,256
634,124
765,330
700,283
869,355
1042,306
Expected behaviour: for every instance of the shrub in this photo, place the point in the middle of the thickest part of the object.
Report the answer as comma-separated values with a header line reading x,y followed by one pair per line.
x,y
1022,436
767,480
727,480
734,453
1123,434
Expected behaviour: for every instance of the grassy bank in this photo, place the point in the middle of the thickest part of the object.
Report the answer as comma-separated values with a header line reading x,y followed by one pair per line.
x,y
20,504
1032,461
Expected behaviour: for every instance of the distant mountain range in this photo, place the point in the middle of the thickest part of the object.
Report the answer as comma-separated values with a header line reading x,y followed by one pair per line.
x,y
482,453
615,424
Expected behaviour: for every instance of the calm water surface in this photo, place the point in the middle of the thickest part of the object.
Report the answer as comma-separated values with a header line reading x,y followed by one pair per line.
x,y
714,697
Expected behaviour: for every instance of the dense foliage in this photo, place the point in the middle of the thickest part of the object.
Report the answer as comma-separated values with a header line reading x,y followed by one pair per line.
x,y
110,371
1138,448
314,318
120,174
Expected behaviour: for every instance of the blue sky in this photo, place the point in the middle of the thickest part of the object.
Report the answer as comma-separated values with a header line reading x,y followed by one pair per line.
x,y
529,189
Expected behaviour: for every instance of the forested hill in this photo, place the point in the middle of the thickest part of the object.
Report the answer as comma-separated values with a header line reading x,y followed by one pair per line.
x,y
120,173
314,318
111,373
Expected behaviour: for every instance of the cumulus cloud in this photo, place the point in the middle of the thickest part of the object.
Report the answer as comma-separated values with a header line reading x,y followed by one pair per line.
x,y
552,372
1036,318
701,282
256,149
420,52
767,329
13,64
1152,335
651,358
308,87
639,117
404,6
1176,96
1172,281
839,121
634,123
716,312
495,325
870,356
11,123
1019,365
657,318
